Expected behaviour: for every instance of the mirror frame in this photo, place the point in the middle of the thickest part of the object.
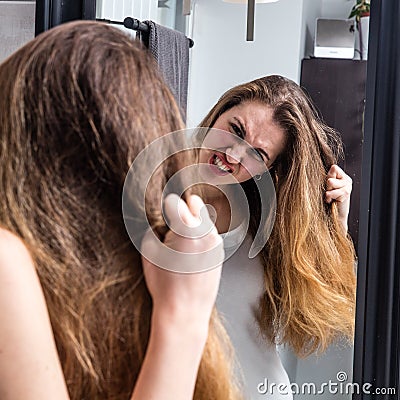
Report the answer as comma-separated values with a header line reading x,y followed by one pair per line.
x,y
376,352
50,13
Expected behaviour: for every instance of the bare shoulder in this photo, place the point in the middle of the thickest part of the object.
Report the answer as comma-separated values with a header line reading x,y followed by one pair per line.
x,y
17,270
12,250
7,239
29,363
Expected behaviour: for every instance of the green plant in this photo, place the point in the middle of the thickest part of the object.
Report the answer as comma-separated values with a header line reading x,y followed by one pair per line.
x,y
361,8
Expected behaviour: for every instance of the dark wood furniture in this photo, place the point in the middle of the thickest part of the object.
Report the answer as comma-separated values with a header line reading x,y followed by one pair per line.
x,y
337,88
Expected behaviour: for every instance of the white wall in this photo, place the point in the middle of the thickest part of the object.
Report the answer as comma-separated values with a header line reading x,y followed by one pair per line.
x,y
335,365
312,9
337,8
117,10
17,25
221,57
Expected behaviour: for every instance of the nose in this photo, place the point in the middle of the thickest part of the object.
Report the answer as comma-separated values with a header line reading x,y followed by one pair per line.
x,y
235,154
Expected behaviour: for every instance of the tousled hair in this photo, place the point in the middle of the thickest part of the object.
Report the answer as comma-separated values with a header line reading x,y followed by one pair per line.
x,y
77,104
309,295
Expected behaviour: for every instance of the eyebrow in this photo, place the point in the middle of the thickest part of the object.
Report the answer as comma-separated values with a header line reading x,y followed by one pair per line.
x,y
262,151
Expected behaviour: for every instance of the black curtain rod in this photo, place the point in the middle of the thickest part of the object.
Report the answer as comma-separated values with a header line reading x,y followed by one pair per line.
x,y
136,25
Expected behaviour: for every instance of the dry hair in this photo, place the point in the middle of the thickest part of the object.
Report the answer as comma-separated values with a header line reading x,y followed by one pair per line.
x,y
77,104
309,297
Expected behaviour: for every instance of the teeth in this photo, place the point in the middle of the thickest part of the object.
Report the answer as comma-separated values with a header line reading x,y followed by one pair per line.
x,y
220,164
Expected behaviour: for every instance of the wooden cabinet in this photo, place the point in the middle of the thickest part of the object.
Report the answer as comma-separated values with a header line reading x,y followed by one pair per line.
x,y
337,88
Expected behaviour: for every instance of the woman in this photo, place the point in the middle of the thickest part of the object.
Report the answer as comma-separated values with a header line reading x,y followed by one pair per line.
x,y
302,285
77,318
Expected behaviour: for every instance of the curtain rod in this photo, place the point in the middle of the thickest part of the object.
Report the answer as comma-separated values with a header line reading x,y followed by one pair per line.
x,y
136,25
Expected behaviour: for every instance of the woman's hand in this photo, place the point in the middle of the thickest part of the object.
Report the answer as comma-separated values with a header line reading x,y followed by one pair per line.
x,y
185,295
339,186
182,301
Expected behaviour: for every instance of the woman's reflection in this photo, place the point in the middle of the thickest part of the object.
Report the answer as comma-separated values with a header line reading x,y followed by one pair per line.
x,y
302,284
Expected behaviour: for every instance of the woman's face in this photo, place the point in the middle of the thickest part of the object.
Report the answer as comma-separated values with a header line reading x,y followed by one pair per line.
x,y
249,145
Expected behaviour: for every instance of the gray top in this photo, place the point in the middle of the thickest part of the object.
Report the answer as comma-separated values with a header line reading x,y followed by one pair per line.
x,y
240,288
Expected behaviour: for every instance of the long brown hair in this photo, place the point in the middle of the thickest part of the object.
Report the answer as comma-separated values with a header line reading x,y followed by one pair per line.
x,y
77,105
309,297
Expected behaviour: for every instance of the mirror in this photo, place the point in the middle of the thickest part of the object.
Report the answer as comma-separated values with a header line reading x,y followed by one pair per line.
x,y
221,59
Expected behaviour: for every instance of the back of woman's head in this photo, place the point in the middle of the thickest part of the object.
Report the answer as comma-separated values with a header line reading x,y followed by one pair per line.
x,y
77,105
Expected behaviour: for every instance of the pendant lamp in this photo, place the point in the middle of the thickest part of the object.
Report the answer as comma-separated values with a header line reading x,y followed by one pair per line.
x,y
251,5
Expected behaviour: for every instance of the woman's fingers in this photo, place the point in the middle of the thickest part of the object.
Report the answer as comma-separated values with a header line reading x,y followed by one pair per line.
x,y
199,210
176,210
195,204
339,185
189,220
192,243
178,214
338,189
339,195
333,183
336,172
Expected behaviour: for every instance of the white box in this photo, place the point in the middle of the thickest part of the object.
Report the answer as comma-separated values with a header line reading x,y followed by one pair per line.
x,y
334,38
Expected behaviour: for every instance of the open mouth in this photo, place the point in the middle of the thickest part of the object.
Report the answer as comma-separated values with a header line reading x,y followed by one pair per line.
x,y
220,164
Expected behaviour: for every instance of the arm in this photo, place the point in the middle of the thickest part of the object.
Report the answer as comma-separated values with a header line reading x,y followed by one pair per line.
x,y
29,364
172,359
182,305
339,186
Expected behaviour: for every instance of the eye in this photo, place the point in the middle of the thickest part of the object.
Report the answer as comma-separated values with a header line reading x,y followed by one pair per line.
x,y
237,130
257,155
